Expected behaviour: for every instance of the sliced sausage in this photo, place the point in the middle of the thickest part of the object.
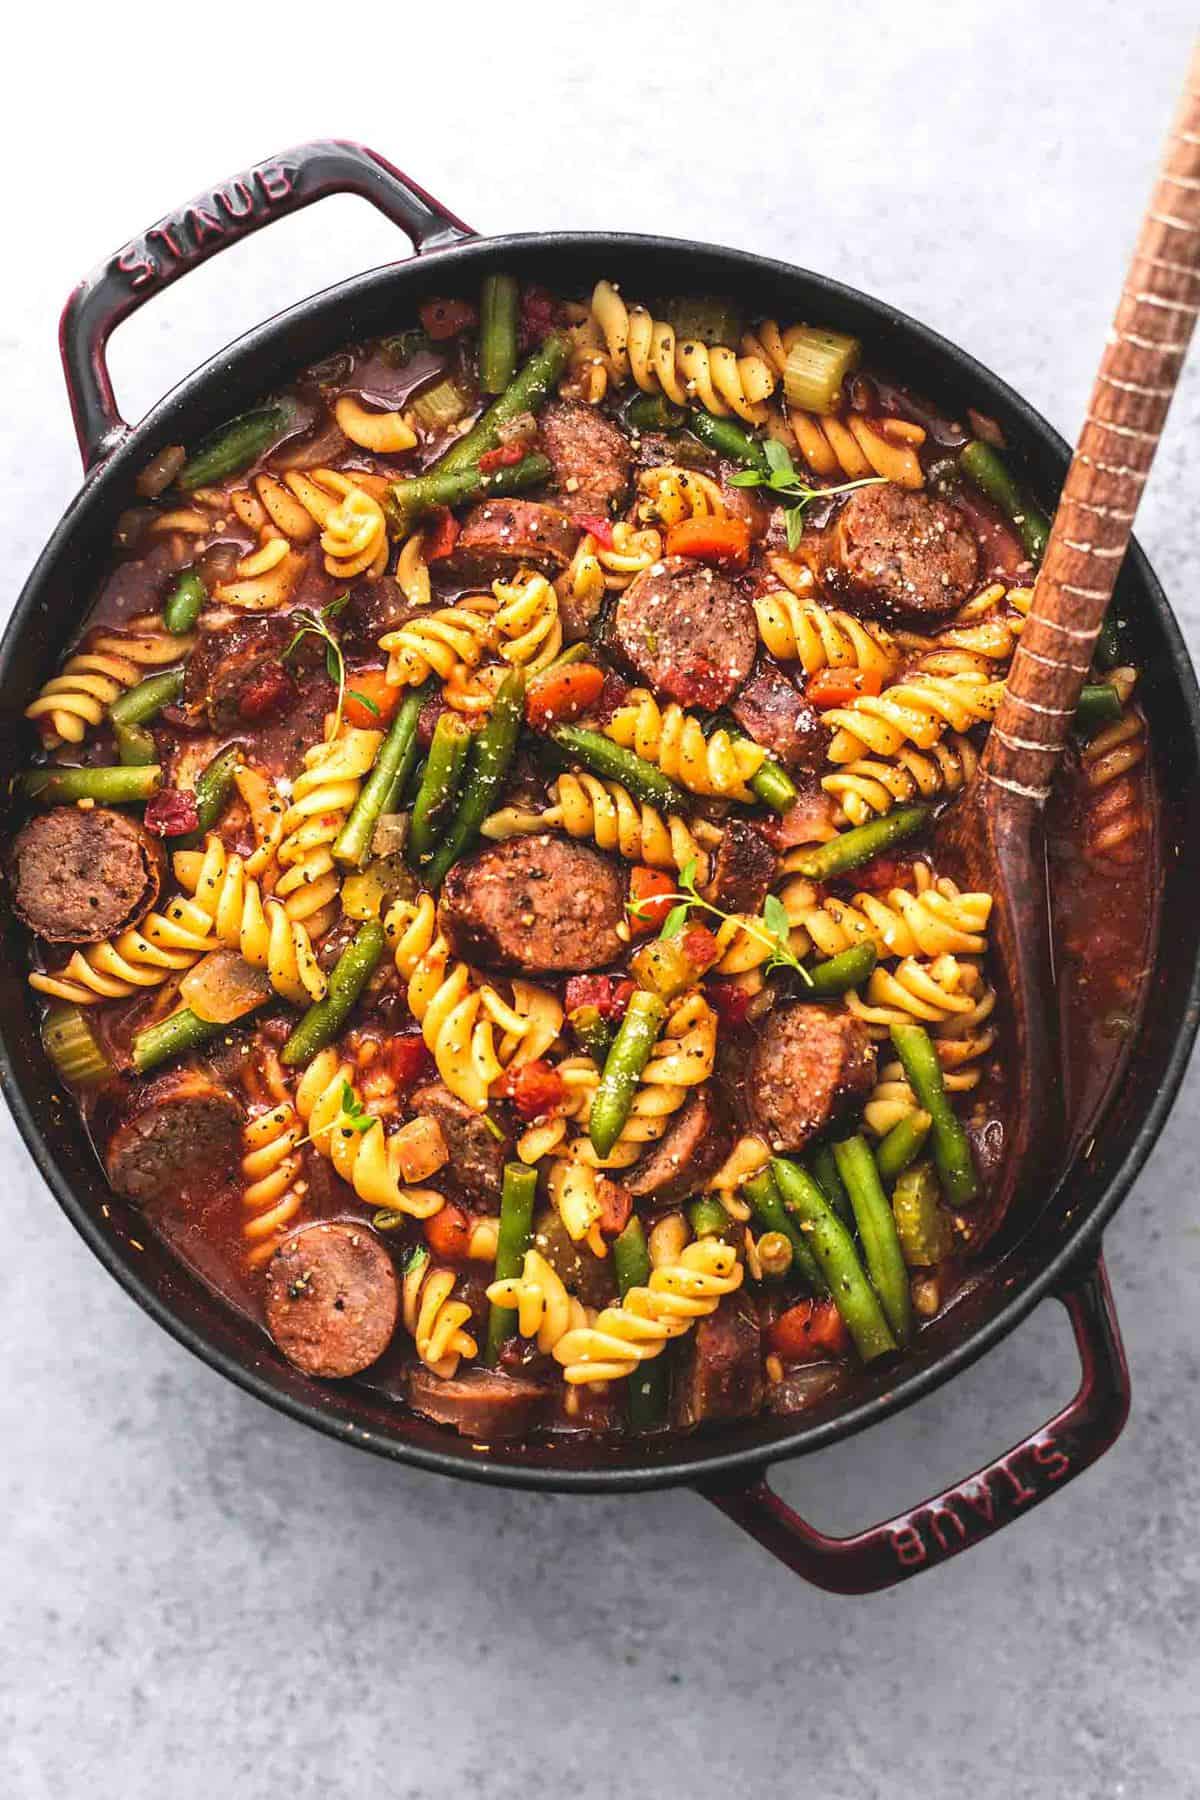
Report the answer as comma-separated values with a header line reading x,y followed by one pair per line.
x,y
777,716
229,666
332,1298
477,1155
179,1135
810,1066
78,876
479,1404
719,1374
743,868
591,457
899,554
693,1146
499,536
686,630
542,905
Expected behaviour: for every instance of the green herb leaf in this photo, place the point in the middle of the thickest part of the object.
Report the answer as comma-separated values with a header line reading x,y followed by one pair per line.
x,y
336,606
687,876
779,460
793,519
775,917
675,921
364,700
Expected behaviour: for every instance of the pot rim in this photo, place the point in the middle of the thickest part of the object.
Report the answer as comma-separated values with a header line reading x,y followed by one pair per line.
x,y
457,1459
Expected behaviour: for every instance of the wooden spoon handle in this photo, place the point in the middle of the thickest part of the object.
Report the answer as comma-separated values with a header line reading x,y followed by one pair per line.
x,y
1092,527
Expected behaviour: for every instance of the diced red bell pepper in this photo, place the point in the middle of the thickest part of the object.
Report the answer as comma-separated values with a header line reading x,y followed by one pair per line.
x,y
170,813
700,946
600,529
810,1331
538,315
504,456
440,535
407,1060
444,319
730,1003
609,994
616,1207
534,1089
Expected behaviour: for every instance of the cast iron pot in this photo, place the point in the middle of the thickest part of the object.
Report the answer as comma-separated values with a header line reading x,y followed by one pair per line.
x,y
1060,1254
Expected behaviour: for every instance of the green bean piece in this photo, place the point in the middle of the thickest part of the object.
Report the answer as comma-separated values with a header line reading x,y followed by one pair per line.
x,y
902,1145
395,758
408,500
513,1237
1108,651
728,439
925,1229
825,1173
833,1248
498,332
174,1036
636,1037
184,604
849,969
951,1148
766,1202
772,784
136,748
849,849
213,791
654,412
528,391
138,705
707,1217
644,780
407,797
488,765
593,1034
647,1386
1099,704
877,1233
112,785
234,446
438,793
350,974
992,476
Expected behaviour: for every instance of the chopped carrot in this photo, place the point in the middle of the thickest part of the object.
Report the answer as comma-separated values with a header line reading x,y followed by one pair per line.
x,y
561,694
616,1206
370,699
809,1332
711,540
838,687
652,894
444,319
440,535
448,1232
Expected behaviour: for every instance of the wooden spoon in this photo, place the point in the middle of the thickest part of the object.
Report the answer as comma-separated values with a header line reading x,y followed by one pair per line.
x,y
994,835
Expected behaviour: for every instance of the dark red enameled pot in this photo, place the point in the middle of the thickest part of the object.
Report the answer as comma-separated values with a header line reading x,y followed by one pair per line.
x,y
1060,1253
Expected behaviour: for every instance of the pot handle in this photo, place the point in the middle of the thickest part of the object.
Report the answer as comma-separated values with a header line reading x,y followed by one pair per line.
x,y
985,1502
199,229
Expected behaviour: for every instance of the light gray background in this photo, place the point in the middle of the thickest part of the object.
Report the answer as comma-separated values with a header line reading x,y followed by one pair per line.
x,y
200,1598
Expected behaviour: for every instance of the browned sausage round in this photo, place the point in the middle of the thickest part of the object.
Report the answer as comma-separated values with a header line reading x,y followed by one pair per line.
x,y
591,458
181,1133
499,535
778,717
540,904
809,1067
78,876
479,1403
687,631
744,868
332,1298
477,1155
719,1371
900,554
693,1146
229,665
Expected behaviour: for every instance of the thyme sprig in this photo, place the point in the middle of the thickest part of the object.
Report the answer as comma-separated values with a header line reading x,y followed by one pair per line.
x,y
312,624
784,479
772,928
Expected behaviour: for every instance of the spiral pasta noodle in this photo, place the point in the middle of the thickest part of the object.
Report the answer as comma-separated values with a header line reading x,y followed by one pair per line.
x,y
671,494
936,920
918,709
622,1337
435,642
144,956
320,800
749,1156
608,815
961,1042
928,991
675,741
545,1310
412,571
353,530
360,1152
526,623
273,1193
596,569
850,444
979,640
1116,814
819,637
684,369
433,1318
874,785
265,578
383,432
681,1059
580,1078
106,664
259,930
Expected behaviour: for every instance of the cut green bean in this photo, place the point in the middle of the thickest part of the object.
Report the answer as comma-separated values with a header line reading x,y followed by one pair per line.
x,y
213,792
350,974
849,849
498,332
410,499
772,784
648,1385
136,748
925,1229
707,1217
951,1147
513,1237
1099,704
636,1037
848,969
766,1203
654,412
992,476
138,705
728,440
395,758
527,392
877,1233
825,1173
184,604
593,1034
175,1036
110,785
1108,651
902,1145
644,780
234,446
833,1248
491,754
439,790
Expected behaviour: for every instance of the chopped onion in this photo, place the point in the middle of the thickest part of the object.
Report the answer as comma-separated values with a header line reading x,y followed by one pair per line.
x,y
391,834
366,893
818,363
160,471
223,987
73,1048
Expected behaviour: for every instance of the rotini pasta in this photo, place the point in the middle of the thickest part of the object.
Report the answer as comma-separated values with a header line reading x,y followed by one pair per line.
x,y
433,1318
607,813
681,1059
819,637
273,1193
265,579
436,642
871,785
685,370
384,433
671,494
164,944
545,1310
675,740
526,623
622,1337
936,920
858,448
979,640
99,672
962,1041
916,709
321,798
260,930
915,989
361,1152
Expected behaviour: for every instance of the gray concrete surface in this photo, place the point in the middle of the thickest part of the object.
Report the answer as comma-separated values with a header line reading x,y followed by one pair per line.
x,y
197,1597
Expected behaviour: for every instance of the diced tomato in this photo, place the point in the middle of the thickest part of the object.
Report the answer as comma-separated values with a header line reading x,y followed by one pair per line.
x,y
170,813
408,1061
837,687
448,1233
730,1003
504,456
439,535
609,994
538,316
882,873
561,694
699,945
370,699
616,1206
651,897
724,541
270,691
444,319
809,820
534,1089
600,529
810,1331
